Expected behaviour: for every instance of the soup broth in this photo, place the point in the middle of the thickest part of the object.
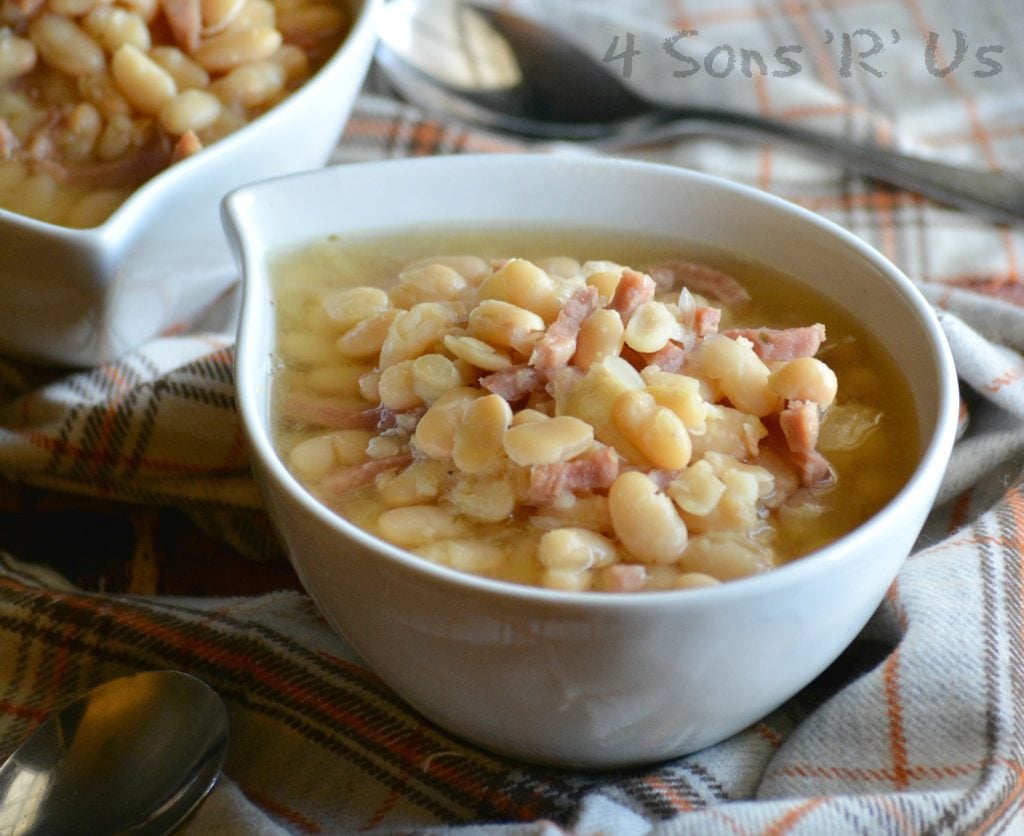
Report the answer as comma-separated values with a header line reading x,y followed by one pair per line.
x,y
582,411
99,96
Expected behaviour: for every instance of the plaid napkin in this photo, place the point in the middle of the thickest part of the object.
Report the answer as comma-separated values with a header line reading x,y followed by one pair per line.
x,y
917,728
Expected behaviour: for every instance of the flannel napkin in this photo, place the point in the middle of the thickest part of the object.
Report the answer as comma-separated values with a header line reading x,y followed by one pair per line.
x,y
917,728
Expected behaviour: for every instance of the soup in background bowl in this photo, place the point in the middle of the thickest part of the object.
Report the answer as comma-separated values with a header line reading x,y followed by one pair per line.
x,y
584,678
81,296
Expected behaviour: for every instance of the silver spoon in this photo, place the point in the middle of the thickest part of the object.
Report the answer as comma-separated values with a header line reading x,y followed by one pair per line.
x,y
134,755
490,67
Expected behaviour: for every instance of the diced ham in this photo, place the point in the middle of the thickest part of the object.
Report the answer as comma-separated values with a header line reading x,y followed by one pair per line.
x,y
125,171
349,478
662,478
670,358
633,290
339,415
556,348
800,425
782,344
513,383
184,17
187,145
700,278
705,320
812,467
624,577
592,472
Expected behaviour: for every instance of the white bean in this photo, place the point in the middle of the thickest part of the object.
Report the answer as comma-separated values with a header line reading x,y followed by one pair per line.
x,y
417,525
742,375
575,549
17,55
143,82
189,110
650,327
62,44
478,446
725,556
645,520
549,441
225,51
805,379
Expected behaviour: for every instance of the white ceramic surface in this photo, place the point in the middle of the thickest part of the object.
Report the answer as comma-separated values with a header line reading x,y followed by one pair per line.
x,y
587,680
83,296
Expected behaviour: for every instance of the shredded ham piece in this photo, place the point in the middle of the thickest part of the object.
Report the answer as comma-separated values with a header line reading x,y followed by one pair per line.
x,y
800,424
186,22
670,358
358,475
633,290
187,145
594,471
127,170
624,577
556,348
782,344
661,478
338,415
513,383
705,320
701,279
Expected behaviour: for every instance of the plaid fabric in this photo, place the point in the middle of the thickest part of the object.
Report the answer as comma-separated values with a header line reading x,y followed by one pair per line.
x,y
917,728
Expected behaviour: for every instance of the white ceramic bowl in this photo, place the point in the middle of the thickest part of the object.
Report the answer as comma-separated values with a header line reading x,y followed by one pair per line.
x,y
83,296
587,679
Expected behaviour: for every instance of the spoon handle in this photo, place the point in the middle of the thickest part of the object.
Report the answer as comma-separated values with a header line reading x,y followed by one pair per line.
x,y
996,195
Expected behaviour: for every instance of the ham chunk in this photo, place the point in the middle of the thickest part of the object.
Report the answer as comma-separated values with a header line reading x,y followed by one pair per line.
x,y
671,358
705,320
633,290
129,169
513,383
556,348
593,472
184,17
623,577
187,145
701,279
782,344
350,478
335,414
800,425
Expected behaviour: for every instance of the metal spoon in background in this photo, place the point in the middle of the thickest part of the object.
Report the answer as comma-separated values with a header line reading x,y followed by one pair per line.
x,y
489,67
134,755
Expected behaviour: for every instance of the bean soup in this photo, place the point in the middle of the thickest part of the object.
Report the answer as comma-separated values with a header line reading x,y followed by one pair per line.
x,y
581,411
98,96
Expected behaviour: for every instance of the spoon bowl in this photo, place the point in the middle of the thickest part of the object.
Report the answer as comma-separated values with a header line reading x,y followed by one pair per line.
x,y
136,754
489,66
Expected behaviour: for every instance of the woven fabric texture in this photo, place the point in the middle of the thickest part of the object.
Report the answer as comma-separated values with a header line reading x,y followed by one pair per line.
x,y
917,728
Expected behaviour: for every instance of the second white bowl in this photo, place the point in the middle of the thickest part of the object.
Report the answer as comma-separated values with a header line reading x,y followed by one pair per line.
x,y
83,296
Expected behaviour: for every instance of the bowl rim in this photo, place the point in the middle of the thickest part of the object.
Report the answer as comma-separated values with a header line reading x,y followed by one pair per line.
x,y
133,207
249,371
